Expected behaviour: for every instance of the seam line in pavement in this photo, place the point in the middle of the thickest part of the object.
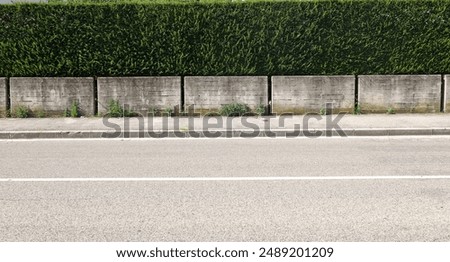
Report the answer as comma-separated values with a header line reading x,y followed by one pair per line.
x,y
169,179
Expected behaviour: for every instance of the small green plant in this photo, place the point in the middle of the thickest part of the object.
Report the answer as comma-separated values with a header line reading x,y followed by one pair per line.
x,y
357,110
168,111
21,112
323,111
153,111
260,110
74,110
116,110
390,111
234,109
211,114
40,113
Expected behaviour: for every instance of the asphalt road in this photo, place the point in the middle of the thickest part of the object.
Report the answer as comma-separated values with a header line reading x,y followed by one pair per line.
x,y
399,191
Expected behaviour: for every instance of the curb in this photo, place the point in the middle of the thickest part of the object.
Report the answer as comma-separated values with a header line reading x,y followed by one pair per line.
x,y
236,133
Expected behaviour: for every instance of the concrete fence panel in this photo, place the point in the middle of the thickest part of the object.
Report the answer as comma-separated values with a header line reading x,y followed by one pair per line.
x,y
141,94
53,95
400,93
309,94
209,93
3,97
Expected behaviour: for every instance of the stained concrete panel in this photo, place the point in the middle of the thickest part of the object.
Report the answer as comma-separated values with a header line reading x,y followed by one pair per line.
x,y
399,93
309,94
210,93
140,94
53,95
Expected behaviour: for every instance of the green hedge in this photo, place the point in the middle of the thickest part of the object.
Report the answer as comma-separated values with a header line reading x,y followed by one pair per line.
x,y
254,38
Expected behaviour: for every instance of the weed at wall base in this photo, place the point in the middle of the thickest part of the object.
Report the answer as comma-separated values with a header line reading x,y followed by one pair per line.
x,y
115,109
390,111
168,111
40,113
261,110
21,112
357,110
234,109
74,110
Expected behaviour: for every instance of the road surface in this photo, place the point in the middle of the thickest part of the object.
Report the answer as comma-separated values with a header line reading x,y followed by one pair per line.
x,y
323,189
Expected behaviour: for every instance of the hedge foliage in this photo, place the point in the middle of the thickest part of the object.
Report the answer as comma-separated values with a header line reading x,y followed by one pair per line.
x,y
251,38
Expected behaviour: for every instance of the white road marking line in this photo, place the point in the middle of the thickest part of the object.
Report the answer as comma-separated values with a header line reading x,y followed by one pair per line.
x,y
172,179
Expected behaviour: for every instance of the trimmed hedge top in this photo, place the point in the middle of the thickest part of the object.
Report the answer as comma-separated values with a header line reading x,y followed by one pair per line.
x,y
255,38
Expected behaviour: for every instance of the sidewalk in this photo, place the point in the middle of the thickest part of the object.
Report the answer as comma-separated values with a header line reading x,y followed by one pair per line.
x,y
312,125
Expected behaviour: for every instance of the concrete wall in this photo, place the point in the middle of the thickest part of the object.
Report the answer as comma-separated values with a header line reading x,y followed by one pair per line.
x,y
139,93
209,93
402,93
3,97
53,94
290,94
309,94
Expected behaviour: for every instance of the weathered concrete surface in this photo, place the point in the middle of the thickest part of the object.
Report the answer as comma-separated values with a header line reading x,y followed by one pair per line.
x,y
53,95
140,94
309,94
209,93
3,97
401,93
447,94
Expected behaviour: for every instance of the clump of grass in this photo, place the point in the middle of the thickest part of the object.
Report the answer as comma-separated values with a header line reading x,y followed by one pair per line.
x,y
153,111
390,111
21,112
323,111
234,109
40,113
116,110
260,110
74,110
357,110
168,111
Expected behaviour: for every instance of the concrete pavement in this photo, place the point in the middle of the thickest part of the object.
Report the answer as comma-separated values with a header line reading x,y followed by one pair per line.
x,y
309,125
